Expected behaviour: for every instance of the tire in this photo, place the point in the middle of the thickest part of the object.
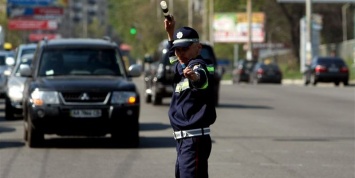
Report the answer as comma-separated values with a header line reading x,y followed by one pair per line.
x,y
9,110
336,83
34,137
156,98
148,98
345,82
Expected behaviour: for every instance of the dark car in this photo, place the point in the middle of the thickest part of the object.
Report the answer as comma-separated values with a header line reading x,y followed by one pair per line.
x,y
242,71
266,72
159,73
327,69
80,87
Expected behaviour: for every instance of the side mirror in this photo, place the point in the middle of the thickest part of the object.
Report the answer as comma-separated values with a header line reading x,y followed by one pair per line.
x,y
25,70
10,61
135,70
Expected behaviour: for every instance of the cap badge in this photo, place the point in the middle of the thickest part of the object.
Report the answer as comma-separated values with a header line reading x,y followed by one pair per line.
x,y
179,35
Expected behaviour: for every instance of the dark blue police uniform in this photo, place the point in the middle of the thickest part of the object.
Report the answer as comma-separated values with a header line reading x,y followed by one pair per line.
x,y
192,111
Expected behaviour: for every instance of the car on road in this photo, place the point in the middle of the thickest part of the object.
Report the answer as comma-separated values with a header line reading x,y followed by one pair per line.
x,y
328,70
242,72
6,65
158,76
14,89
266,72
23,49
80,87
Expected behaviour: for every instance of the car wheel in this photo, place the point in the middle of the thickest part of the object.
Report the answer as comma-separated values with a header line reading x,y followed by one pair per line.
x,y
336,83
9,110
148,98
34,137
156,99
346,82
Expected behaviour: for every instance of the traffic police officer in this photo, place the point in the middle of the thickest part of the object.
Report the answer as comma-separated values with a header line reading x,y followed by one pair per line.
x,y
192,108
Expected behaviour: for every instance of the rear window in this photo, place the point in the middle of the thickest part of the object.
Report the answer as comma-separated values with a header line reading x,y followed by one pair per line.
x,y
270,66
325,61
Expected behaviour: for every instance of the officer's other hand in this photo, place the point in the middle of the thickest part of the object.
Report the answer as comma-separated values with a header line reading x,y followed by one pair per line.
x,y
170,25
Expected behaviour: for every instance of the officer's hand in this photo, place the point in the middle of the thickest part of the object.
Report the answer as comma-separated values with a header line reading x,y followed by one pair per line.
x,y
169,27
190,74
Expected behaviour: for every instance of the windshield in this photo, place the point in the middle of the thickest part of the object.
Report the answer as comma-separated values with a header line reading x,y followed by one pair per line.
x,y
80,62
27,51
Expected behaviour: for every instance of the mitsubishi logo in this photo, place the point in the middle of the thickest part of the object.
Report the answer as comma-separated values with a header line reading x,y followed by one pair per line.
x,y
84,96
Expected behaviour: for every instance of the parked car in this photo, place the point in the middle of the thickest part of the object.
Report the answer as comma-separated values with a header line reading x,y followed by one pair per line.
x,y
266,72
14,89
159,74
242,71
80,87
24,49
327,69
6,64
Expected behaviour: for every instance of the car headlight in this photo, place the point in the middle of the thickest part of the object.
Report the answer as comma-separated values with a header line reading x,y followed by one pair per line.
x,y
15,93
40,98
124,97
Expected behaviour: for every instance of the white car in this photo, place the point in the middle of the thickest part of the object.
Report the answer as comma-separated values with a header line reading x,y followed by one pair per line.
x,y
14,89
6,63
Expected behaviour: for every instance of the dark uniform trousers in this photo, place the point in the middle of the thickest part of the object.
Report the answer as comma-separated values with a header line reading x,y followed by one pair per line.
x,y
192,157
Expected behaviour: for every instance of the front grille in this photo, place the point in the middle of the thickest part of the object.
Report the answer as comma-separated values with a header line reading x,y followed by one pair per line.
x,y
85,97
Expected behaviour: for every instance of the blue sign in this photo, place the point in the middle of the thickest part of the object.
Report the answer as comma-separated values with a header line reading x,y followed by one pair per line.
x,y
19,11
31,2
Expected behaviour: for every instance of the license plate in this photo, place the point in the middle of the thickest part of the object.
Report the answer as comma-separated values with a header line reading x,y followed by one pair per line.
x,y
89,113
333,69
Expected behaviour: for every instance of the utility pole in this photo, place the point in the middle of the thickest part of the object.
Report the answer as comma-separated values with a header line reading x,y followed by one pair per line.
x,y
211,16
85,19
250,45
190,13
345,30
309,55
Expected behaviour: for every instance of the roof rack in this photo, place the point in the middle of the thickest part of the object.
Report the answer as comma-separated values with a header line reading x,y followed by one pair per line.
x,y
106,38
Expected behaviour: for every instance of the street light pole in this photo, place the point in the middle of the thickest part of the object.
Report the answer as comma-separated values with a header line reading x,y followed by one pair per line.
x,y
309,55
250,47
345,32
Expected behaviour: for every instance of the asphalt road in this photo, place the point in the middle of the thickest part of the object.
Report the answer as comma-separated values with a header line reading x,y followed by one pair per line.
x,y
262,131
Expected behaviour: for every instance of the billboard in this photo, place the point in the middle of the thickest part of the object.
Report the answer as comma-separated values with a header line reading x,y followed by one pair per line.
x,y
32,24
35,2
233,27
38,12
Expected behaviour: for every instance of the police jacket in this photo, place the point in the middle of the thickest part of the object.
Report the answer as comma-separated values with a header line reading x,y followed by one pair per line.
x,y
192,105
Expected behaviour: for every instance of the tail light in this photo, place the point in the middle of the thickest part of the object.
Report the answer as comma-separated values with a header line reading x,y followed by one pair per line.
x,y
240,71
344,70
260,71
320,68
